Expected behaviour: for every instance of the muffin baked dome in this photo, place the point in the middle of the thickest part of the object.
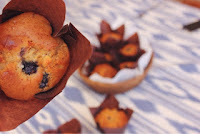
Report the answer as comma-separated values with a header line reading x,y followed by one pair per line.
x,y
105,70
111,118
31,60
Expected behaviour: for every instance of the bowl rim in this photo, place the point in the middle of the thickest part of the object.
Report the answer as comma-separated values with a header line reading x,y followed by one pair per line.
x,y
118,86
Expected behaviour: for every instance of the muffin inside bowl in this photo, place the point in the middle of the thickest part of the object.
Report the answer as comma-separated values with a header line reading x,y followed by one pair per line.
x,y
118,68
110,117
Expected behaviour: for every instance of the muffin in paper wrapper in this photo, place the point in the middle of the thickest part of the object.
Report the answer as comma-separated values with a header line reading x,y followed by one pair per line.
x,y
14,112
117,35
111,103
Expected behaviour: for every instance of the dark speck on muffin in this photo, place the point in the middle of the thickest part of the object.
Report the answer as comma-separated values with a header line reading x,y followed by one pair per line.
x,y
22,52
45,80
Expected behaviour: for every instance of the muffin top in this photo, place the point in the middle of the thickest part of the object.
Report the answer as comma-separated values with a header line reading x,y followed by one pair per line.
x,y
130,50
31,60
128,64
110,36
105,70
111,118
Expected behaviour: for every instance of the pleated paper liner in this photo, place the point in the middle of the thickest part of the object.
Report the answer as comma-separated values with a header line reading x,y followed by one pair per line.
x,y
119,87
110,102
73,127
14,112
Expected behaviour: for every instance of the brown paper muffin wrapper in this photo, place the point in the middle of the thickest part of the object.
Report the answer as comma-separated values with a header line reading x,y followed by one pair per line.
x,y
111,102
105,28
14,112
72,126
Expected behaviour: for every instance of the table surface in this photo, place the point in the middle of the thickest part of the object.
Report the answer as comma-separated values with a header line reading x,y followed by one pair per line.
x,y
167,101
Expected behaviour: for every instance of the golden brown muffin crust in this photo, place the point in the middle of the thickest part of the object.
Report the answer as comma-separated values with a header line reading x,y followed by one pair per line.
x,y
128,64
129,50
108,57
111,118
26,40
105,70
112,36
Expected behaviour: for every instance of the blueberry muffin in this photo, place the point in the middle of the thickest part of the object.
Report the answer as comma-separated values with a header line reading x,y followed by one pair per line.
x,y
111,118
128,64
31,60
110,36
129,50
105,70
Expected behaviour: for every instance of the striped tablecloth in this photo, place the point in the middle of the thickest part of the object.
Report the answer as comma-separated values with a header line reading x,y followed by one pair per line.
x,y
167,101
